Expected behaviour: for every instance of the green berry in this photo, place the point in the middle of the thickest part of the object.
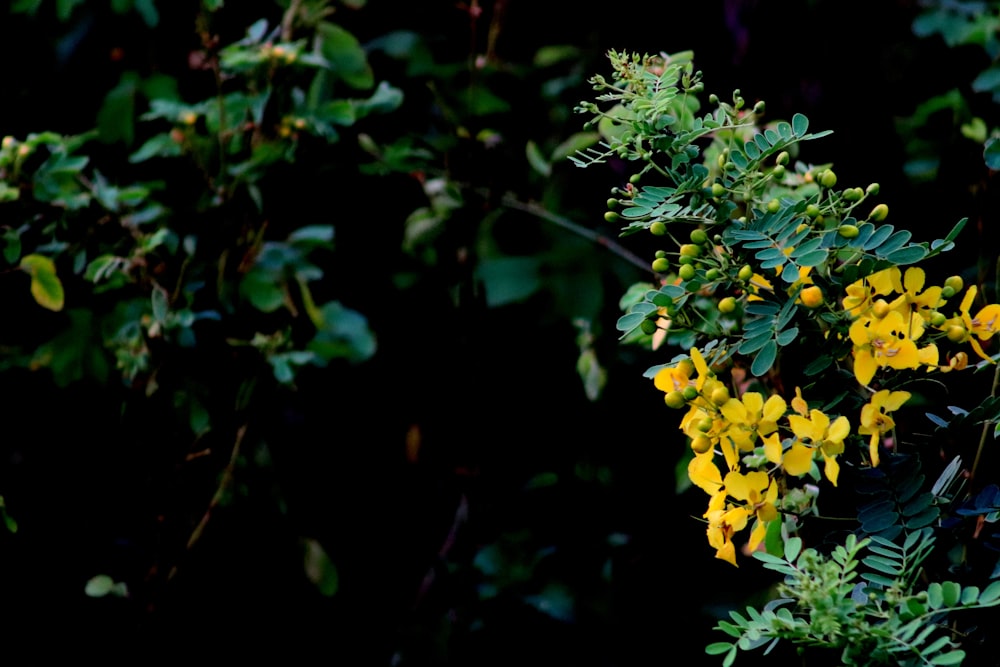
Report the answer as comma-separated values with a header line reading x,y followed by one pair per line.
x,y
746,273
778,171
660,253
691,249
782,158
955,283
689,393
879,213
611,216
947,292
718,189
699,236
848,231
828,179
713,274
658,228
686,272
773,206
648,327
675,399
872,189
685,259
660,265
812,211
613,203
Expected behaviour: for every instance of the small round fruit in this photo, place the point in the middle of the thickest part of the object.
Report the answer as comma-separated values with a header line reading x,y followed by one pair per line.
x,y
691,250
727,305
879,213
880,308
689,393
674,399
718,189
812,296
778,171
853,194
720,395
938,318
658,228
828,179
947,292
648,327
773,206
685,259
713,274
686,272
705,424
955,282
872,189
849,231
701,444
613,203
660,265
746,273
611,216
699,236
812,211
660,253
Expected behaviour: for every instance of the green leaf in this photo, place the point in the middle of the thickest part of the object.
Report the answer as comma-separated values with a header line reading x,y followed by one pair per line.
x,y
345,54
536,159
908,255
935,595
883,565
765,358
800,124
991,594
718,648
787,336
953,658
793,546
319,569
991,153
45,284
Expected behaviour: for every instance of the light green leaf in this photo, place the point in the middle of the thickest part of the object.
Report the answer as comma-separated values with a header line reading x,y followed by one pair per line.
x,y
45,284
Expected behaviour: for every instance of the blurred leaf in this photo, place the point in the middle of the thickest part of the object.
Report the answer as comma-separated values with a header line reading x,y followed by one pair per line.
x,y
345,55
45,284
319,569
991,154
509,279
536,159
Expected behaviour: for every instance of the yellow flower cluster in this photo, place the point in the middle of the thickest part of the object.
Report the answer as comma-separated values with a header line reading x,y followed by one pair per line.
x,y
716,423
892,311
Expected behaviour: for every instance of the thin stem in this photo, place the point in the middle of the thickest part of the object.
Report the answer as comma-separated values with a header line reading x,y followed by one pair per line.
x,y
579,230
986,427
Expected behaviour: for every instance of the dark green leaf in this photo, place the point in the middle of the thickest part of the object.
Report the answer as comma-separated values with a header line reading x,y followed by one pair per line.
x,y
878,236
787,336
908,255
765,358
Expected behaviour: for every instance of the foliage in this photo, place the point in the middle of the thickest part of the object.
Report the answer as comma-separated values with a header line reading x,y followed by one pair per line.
x,y
780,279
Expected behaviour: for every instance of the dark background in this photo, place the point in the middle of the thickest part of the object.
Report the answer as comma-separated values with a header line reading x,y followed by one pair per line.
x,y
492,392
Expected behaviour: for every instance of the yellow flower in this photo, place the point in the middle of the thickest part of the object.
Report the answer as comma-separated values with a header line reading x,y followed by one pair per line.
x,y
983,325
674,378
814,434
860,294
882,342
875,419
759,493
723,522
749,416
704,474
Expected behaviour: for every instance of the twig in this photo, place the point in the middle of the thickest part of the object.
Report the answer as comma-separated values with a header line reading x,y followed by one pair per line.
x,y
224,483
590,234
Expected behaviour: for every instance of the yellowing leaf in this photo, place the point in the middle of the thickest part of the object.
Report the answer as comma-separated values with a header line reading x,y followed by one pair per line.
x,y
45,284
